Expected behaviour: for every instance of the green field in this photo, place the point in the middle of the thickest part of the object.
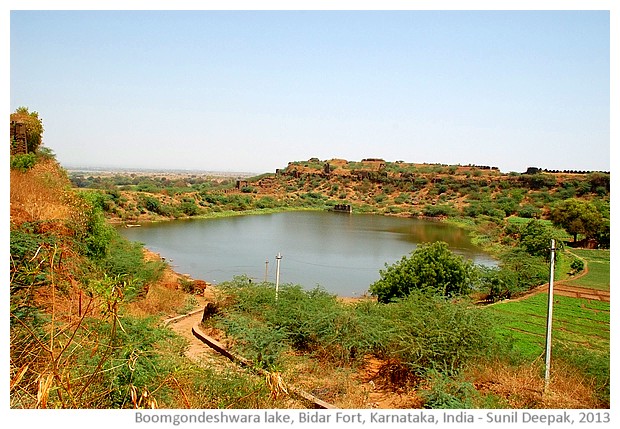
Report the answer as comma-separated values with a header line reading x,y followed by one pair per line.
x,y
598,269
576,323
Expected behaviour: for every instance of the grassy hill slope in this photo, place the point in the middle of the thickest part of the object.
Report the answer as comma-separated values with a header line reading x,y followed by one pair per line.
x,y
86,310
398,188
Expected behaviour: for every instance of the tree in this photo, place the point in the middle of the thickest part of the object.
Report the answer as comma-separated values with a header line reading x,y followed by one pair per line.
x,y
498,283
603,236
578,217
535,237
528,271
430,268
34,127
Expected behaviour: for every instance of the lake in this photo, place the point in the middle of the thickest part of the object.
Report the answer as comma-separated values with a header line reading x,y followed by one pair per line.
x,y
341,252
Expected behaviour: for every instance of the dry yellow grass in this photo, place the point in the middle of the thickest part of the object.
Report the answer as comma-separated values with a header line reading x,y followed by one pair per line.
x,y
158,300
163,296
523,386
42,193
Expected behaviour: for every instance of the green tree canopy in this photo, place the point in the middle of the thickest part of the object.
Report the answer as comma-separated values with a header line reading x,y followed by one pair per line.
x,y
578,217
535,237
430,268
34,127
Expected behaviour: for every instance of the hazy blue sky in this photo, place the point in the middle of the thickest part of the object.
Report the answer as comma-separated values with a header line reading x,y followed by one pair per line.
x,y
252,90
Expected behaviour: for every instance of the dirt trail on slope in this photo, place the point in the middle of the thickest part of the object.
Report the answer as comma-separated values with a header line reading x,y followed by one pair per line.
x,y
196,350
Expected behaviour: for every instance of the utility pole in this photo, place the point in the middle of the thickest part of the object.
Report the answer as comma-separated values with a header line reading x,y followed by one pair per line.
x,y
278,257
549,319
266,269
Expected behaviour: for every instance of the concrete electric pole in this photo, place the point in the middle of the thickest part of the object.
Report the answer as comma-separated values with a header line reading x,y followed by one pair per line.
x,y
278,257
549,319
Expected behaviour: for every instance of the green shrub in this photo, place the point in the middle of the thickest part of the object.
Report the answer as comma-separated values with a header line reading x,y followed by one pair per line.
x,y
137,360
189,208
378,199
529,211
421,332
30,269
430,332
266,203
431,267
312,321
577,265
103,201
402,198
538,181
167,210
125,259
23,162
98,233
439,210
529,271
257,341
239,202
212,198
248,189
151,204
446,392
497,283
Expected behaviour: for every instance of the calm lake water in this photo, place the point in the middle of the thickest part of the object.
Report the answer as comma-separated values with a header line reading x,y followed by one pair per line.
x,y
341,252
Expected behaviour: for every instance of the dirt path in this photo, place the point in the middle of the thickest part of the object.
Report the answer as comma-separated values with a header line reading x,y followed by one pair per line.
x,y
378,394
565,290
196,350
562,288
581,292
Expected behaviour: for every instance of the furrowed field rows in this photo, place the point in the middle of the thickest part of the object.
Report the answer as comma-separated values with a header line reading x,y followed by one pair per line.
x,y
600,322
597,277
539,338
558,314
533,340
563,307
538,325
598,265
541,300
592,255
579,328
564,330
575,321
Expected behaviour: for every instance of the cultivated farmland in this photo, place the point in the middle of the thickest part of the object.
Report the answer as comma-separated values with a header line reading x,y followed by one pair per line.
x,y
576,322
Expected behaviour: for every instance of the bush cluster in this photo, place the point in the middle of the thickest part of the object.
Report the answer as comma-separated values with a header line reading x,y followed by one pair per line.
x,y
421,332
23,162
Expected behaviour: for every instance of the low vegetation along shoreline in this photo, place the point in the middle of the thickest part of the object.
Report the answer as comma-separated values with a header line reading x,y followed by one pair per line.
x,y
87,306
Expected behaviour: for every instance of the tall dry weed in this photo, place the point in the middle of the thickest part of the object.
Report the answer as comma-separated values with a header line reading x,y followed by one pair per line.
x,y
42,193
523,386
158,300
